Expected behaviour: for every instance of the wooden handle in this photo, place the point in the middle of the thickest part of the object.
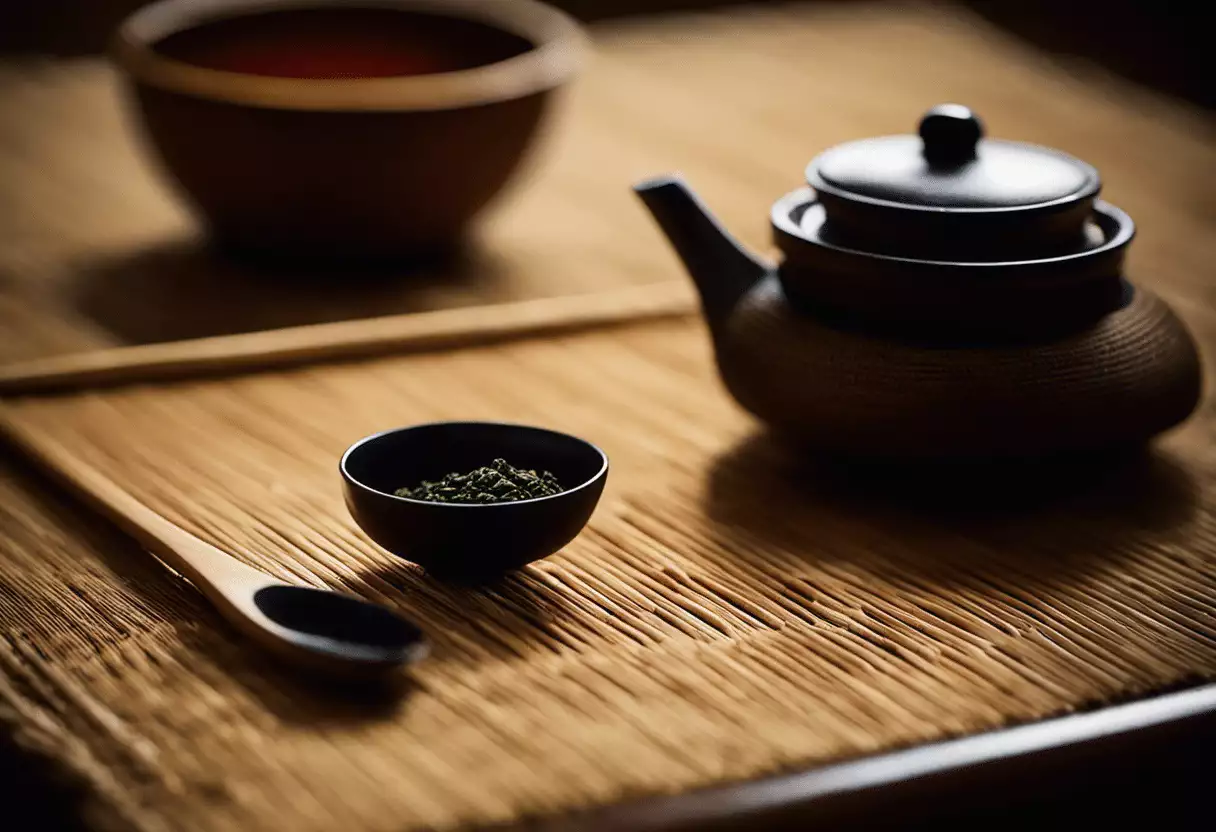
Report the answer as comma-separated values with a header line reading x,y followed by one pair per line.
x,y
346,339
336,640
209,569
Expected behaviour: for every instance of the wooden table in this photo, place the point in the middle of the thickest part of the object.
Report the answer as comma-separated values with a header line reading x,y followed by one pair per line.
x,y
96,251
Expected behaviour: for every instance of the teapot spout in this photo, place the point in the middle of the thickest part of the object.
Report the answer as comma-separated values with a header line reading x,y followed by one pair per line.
x,y
721,268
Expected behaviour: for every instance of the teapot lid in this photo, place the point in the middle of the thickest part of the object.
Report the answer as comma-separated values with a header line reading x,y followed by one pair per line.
x,y
950,166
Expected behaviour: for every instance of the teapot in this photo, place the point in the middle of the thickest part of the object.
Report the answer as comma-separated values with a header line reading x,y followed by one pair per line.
x,y
941,296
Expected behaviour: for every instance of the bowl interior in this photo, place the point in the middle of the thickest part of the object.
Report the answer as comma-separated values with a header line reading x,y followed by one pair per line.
x,y
356,56
407,456
339,41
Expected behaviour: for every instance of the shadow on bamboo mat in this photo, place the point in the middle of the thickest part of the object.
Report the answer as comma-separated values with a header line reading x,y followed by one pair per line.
x,y
189,288
1123,496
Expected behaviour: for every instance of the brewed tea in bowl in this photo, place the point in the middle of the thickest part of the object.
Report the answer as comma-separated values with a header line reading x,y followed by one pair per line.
x,y
367,128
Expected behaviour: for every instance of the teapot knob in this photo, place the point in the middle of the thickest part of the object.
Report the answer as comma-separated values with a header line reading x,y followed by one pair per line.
x,y
950,133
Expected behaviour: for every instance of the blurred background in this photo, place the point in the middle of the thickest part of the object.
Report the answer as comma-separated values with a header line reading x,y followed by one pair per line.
x,y
97,248
1160,44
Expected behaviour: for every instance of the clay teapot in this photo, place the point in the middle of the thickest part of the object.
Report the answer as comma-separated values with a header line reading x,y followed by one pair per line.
x,y
943,295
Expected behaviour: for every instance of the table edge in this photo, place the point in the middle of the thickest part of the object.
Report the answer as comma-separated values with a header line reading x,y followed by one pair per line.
x,y
844,791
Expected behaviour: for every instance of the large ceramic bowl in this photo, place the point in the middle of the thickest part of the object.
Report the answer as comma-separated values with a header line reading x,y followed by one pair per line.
x,y
348,160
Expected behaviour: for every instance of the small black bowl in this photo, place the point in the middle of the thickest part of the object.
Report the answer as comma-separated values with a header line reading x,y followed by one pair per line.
x,y
470,543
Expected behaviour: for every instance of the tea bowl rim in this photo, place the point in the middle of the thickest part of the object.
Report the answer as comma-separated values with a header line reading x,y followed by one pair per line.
x,y
350,479
558,43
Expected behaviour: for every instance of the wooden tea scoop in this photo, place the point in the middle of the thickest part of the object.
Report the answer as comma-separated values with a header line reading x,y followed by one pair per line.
x,y
317,628
409,332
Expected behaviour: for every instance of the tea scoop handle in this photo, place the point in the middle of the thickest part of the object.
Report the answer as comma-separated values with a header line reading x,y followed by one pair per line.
x,y
220,577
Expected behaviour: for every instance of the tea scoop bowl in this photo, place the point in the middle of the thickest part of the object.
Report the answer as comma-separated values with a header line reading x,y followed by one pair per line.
x,y
464,542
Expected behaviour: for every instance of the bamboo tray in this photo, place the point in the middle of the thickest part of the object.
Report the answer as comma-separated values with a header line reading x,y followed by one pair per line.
x,y
731,613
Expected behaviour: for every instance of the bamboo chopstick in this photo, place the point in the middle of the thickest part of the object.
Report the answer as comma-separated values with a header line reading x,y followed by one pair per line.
x,y
345,339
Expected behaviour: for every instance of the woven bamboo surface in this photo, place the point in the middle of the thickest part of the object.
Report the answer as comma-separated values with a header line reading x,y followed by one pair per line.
x,y
728,613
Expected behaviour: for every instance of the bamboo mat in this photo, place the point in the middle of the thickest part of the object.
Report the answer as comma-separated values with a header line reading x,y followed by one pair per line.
x,y
728,613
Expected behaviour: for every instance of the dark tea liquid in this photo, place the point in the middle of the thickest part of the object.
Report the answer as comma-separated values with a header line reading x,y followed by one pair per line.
x,y
341,43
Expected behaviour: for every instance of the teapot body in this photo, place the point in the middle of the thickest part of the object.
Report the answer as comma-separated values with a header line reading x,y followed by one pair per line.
x,y
1120,380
